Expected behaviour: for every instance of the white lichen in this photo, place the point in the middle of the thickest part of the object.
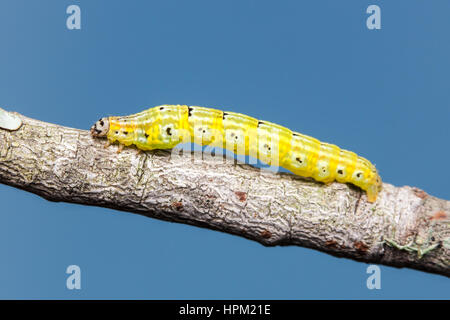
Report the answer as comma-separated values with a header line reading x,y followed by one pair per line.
x,y
9,121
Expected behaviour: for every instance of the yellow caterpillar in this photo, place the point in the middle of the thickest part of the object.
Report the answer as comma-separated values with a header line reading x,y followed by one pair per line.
x,y
164,127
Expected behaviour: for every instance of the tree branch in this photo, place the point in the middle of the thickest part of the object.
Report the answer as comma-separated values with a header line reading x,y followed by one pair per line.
x,y
404,228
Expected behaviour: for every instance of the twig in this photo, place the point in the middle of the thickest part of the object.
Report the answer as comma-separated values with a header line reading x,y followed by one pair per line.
x,y
405,227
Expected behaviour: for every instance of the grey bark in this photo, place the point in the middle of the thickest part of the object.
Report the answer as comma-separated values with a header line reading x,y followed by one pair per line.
x,y
405,227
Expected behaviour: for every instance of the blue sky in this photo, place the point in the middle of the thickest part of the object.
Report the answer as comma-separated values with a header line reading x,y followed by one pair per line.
x,y
312,66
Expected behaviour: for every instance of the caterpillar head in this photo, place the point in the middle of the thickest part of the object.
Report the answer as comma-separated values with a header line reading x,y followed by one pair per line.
x,y
100,128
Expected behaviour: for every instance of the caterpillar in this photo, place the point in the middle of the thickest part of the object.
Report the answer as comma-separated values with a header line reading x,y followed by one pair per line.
x,y
165,126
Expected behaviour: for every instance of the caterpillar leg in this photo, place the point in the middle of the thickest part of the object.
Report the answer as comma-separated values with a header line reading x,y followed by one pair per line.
x,y
119,150
107,144
372,193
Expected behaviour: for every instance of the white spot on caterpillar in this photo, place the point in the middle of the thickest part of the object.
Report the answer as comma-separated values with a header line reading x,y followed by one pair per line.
x,y
142,139
234,137
299,160
340,171
202,134
323,168
358,175
265,148
169,133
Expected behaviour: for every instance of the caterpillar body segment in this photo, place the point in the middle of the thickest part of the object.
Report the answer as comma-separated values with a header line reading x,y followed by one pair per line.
x,y
164,127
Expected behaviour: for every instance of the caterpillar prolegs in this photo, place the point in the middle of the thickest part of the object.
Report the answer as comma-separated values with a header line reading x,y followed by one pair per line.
x,y
163,127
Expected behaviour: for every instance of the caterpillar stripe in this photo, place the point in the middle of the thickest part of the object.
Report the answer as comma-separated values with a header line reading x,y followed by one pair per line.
x,y
163,127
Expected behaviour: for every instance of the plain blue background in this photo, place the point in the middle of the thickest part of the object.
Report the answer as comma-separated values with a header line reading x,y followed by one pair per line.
x,y
312,66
